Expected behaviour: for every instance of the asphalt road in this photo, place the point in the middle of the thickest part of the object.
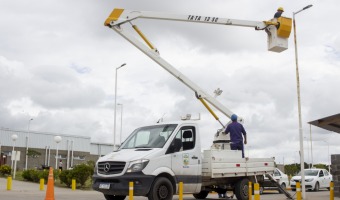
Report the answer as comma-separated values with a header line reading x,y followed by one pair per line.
x,y
30,191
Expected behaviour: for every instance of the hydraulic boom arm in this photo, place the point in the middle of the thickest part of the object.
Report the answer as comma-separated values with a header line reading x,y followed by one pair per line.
x,y
277,41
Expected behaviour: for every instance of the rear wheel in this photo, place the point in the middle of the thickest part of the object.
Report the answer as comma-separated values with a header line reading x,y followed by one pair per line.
x,y
161,189
241,189
317,187
114,197
201,195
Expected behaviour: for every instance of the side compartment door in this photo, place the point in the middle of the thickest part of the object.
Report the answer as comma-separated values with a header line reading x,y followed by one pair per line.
x,y
186,160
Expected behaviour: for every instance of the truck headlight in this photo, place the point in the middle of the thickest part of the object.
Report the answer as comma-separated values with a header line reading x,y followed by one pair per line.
x,y
137,165
309,179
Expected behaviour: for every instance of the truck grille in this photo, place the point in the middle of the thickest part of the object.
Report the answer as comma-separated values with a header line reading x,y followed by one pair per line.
x,y
110,167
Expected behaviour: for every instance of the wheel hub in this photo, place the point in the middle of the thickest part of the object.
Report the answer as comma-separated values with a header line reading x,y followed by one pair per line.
x,y
245,190
163,192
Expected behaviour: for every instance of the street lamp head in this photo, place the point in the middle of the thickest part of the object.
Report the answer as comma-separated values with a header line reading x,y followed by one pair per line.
x,y
14,137
294,13
57,139
122,65
307,7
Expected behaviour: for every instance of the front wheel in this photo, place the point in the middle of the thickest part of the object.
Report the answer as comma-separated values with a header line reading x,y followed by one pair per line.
x,y
114,197
161,189
201,195
241,189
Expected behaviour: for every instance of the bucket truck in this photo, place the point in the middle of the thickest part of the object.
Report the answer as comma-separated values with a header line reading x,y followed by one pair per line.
x,y
158,157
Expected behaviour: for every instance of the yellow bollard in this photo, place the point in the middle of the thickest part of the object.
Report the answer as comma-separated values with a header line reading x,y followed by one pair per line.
x,y
250,190
42,182
74,184
180,191
130,190
9,183
331,190
256,191
298,191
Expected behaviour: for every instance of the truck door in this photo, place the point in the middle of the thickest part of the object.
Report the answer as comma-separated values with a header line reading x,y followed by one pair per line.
x,y
186,163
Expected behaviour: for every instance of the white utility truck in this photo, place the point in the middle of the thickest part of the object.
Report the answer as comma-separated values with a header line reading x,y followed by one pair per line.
x,y
158,157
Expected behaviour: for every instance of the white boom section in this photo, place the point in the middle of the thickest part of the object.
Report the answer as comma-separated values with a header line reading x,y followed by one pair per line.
x,y
119,17
128,15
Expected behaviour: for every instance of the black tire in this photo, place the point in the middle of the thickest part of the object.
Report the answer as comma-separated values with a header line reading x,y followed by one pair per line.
x,y
283,186
202,195
161,189
241,189
114,197
317,187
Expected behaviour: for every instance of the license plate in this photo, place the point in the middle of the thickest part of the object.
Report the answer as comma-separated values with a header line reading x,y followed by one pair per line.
x,y
104,186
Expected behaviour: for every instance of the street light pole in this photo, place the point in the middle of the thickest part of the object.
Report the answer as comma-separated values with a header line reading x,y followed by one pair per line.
x,y
121,123
27,140
302,163
57,139
114,126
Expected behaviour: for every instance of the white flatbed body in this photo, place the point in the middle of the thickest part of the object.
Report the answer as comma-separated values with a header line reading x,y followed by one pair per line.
x,y
229,163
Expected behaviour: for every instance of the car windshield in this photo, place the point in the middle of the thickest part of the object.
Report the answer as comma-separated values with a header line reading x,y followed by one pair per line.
x,y
309,172
149,136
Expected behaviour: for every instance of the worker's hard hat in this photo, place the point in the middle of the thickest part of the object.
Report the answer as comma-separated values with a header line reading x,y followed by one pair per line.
x,y
233,117
280,9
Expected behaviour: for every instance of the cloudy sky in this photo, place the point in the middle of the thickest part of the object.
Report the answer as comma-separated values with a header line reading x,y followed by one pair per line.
x,y
57,66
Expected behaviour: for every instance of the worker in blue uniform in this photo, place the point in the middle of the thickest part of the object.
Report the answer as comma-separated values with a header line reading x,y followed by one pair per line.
x,y
279,12
236,131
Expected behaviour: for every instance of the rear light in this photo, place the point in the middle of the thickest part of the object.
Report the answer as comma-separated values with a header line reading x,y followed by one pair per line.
x,y
265,164
238,165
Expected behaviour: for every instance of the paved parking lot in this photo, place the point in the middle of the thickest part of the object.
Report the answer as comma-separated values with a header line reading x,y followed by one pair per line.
x,y
30,191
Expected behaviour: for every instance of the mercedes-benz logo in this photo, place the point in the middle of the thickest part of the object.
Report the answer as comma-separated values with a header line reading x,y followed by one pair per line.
x,y
107,167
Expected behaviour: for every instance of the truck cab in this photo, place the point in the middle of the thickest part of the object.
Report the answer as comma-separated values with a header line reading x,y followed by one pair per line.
x,y
160,154
158,157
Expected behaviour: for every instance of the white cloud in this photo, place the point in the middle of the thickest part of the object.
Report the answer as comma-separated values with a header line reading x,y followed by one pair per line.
x,y
57,64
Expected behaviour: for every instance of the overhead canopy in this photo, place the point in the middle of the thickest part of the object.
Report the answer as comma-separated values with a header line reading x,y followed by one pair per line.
x,y
331,123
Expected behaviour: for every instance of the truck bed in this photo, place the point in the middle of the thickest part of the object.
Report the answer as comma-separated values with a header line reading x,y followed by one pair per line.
x,y
229,163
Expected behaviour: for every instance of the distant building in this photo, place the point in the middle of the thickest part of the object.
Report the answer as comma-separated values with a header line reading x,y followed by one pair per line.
x,y
72,149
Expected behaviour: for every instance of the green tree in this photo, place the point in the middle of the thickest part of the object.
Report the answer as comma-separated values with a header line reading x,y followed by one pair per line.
x,y
5,170
81,173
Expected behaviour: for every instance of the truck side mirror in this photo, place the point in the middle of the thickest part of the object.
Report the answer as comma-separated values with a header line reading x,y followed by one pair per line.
x,y
175,146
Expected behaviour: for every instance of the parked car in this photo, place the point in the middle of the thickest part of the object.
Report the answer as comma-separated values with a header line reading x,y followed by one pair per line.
x,y
314,179
280,178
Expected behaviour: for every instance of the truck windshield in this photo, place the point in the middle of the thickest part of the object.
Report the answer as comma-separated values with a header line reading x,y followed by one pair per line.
x,y
149,136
